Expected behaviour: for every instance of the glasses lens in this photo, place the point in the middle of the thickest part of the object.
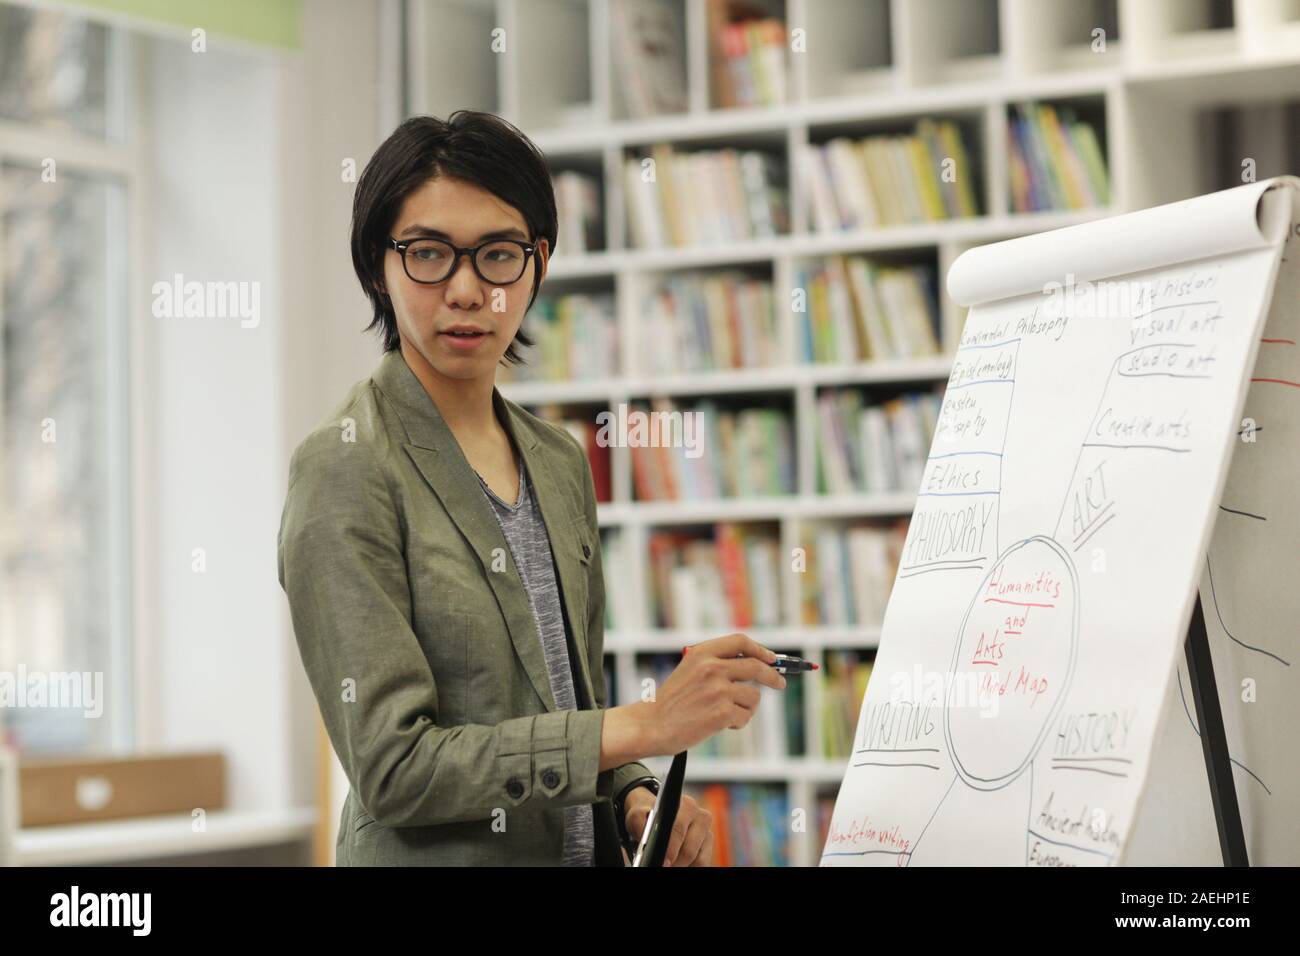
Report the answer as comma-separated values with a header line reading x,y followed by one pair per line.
x,y
429,260
501,262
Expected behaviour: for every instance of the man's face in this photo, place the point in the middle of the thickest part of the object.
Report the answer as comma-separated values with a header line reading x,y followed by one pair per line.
x,y
465,215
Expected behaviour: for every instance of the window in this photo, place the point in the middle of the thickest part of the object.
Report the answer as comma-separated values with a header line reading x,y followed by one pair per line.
x,y
54,71
64,554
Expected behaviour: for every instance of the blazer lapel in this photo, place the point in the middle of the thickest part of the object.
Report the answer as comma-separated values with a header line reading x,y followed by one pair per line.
x,y
438,456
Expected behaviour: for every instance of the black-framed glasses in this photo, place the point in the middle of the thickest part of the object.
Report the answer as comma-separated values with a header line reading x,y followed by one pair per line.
x,y
497,261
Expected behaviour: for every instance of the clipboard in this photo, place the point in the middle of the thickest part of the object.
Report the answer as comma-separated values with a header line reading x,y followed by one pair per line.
x,y
659,825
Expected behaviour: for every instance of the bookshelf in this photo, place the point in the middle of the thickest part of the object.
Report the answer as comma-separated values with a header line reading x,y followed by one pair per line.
x,y
1160,77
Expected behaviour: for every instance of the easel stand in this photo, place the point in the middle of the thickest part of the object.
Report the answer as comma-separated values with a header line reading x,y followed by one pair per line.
x,y
1214,742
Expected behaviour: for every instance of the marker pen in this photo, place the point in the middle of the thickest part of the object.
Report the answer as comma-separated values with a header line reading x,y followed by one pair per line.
x,y
786,664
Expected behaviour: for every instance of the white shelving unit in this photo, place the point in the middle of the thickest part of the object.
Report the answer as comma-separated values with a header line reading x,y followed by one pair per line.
x,y
117,842
1148,77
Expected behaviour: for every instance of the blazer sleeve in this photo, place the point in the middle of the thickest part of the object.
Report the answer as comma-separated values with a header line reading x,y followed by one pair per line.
x,y
342,565
619,777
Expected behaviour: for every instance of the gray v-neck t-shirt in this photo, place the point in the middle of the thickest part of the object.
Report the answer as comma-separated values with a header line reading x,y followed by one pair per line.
x,y
530,546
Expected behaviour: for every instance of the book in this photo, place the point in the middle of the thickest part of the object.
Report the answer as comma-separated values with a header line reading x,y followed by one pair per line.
x,y
580,215
575,338
751,822
849,572
729,579
890,179
706,321
650,62
1055,160
844,684
747,53
857,310
616,565
704,197
737,452
873,448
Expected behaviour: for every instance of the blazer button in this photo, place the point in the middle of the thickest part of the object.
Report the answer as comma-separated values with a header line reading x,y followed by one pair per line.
x,y
551,779
514,788
586,551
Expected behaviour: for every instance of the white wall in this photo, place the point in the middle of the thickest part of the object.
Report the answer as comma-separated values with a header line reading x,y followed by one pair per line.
x,y
245,186
222,671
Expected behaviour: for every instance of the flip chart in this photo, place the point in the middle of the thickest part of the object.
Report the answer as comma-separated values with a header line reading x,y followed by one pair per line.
x,y
1029,689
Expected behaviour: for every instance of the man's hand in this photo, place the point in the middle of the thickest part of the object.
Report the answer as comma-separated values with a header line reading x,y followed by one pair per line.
x,y
711,690
692,841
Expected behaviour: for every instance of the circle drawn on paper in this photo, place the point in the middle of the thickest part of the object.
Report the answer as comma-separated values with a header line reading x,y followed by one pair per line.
x,y
1017,643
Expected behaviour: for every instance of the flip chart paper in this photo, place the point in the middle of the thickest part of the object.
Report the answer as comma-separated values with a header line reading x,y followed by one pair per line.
x,y
1031,643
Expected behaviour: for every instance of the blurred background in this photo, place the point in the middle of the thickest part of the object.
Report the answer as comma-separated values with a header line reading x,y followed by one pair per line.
x,y
759,201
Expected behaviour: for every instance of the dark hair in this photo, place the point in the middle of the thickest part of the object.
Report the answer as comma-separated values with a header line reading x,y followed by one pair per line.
x,y
480,148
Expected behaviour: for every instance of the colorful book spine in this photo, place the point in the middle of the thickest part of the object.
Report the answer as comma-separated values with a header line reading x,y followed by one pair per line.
x,y
751,823
695,322
704,197
858,311
844,684
576,338
1055,161
849,573
891,179
720,453
730,580
751,68
873,449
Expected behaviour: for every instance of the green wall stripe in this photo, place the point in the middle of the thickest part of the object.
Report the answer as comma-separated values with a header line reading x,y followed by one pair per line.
x,y
270,22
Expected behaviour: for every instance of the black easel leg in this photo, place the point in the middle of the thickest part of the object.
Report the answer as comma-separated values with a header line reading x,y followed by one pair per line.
x,y
1214,742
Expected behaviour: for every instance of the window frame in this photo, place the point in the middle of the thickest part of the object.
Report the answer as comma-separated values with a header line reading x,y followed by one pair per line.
x,y
122,156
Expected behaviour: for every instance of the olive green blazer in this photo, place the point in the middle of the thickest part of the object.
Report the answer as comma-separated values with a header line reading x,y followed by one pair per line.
x,y
420,643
